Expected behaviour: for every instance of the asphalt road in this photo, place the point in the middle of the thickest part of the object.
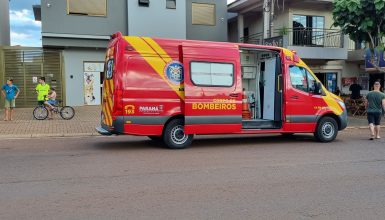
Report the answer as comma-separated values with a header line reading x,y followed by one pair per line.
x,y
254,177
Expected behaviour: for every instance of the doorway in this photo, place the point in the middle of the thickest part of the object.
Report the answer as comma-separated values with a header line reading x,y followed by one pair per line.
x,y
262,103
329,80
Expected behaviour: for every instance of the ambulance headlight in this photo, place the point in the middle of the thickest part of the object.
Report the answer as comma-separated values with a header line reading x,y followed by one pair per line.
x,y
342,104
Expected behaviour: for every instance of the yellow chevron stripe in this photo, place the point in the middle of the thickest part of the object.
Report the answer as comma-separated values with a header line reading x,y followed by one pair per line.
x,y
108,102
158,49
332,103
155,61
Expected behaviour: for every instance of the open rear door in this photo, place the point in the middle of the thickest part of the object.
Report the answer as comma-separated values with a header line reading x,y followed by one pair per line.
x,y
213,91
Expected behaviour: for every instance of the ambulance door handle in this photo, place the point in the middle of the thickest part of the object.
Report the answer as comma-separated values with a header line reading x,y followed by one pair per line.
x,y
234,95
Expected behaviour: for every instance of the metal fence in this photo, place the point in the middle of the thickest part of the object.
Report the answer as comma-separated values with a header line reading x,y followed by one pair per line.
x,y
252,39
25,66
308,37
315,37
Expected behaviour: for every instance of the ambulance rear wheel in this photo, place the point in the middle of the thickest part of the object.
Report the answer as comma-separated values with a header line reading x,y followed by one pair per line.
x,y
327,130
174,136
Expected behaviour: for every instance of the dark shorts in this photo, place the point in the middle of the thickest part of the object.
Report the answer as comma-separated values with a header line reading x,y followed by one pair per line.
x,y
374,118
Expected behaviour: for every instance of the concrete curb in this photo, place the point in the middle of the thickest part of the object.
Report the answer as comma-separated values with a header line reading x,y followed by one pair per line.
x,y
361,127
12,136
90,134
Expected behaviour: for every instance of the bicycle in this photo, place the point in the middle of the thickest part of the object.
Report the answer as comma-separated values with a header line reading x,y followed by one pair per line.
x,y
41,111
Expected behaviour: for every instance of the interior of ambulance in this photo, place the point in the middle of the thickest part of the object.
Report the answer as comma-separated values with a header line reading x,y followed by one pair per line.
x,y
262,95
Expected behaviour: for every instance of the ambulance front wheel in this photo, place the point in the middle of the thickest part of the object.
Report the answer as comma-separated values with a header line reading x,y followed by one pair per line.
x,y
327,130
174,136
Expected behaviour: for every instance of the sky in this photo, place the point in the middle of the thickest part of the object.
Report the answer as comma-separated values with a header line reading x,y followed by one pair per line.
x,y
25,31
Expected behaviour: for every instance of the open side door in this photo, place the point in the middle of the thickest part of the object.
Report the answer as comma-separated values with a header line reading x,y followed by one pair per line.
x,y
213,91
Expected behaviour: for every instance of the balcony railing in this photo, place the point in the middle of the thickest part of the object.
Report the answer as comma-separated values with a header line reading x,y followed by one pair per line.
x,y
306,37
252,39
315,37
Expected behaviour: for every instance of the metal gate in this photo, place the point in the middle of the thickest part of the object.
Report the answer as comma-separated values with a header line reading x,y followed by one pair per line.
x,y
25,66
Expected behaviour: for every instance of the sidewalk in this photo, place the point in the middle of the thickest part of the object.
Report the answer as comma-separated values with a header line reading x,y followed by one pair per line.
x,y
83,124
24,125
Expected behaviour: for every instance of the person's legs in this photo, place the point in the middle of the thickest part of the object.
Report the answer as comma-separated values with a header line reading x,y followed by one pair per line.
x,y
6,109
6,114
372,132
378,131
11,109
10,114
371,125
50,107
377,124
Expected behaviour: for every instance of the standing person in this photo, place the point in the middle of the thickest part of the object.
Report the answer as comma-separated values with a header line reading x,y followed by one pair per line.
x,y
356,91
10,93
338,91
42,90
375,104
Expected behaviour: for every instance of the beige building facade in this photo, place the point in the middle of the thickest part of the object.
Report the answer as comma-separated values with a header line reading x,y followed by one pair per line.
x,y
306,27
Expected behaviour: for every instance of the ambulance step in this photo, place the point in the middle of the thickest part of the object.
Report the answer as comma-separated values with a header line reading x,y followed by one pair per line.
x,y
258,124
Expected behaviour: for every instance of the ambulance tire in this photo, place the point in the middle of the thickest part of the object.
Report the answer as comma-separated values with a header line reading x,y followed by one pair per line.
x,y
174,136
327,130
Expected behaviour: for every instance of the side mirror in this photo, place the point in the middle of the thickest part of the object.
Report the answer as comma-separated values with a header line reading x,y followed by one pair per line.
x,y
318,89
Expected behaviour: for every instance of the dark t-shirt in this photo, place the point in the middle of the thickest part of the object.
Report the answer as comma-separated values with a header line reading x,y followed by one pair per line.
x,y
356,91
375,101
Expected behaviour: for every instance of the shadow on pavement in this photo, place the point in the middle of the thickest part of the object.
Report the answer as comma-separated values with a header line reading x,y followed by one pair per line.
x,y
205,142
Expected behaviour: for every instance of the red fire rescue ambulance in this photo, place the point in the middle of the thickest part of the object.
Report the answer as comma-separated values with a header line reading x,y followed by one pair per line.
x,y
170,90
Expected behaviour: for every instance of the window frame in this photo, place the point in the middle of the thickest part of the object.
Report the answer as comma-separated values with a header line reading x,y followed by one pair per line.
x,y
106,76
208,62
214,14
144,4
169,7
291,81
90,15
307,81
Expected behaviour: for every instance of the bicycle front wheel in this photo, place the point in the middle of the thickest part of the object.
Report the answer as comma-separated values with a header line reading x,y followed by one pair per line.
x,y
40,113
67,112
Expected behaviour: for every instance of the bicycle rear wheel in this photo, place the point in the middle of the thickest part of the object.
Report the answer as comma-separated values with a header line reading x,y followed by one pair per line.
x,y
67,112
40,112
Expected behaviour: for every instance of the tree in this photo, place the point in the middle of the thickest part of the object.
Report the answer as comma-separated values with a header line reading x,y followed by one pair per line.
x,y
363,21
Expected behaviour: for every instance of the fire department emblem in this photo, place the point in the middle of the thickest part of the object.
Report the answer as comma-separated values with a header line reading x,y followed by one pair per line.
x,y
174,72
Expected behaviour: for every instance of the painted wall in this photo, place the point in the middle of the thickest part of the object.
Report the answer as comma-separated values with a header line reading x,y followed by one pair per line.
x,y
56,20
156,20
232,35
4,23
203,32
254,22
73,66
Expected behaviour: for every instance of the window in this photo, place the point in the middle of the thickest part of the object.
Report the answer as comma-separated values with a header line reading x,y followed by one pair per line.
x,y
171,4
87,7
298,78
311,82
109,69
308,30
144,3
212,74
303,80
203,14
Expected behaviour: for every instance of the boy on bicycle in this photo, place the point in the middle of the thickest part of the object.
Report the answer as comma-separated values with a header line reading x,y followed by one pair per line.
x,y
51,101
